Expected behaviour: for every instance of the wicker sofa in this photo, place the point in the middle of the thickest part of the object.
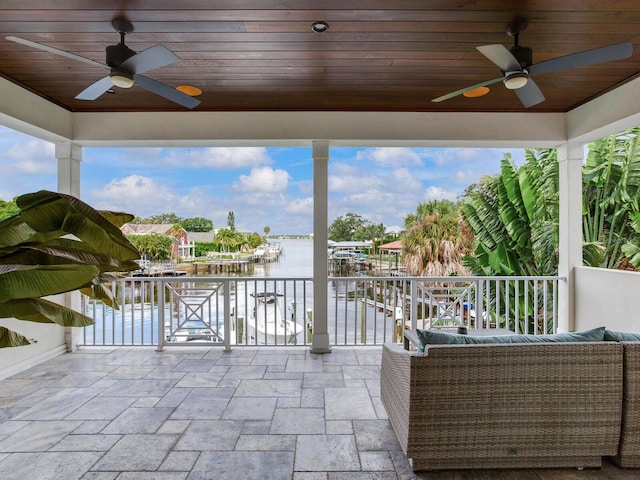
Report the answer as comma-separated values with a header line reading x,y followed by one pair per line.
x,y
629,450
505,405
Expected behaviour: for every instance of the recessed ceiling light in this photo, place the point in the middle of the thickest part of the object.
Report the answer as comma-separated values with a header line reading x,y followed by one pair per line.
x,y
189,90
476,92
319,27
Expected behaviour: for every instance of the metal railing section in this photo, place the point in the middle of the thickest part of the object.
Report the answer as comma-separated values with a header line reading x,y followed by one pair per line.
x,y
242,311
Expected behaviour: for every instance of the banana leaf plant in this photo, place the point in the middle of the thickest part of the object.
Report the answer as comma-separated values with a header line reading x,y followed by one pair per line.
x,y
58,244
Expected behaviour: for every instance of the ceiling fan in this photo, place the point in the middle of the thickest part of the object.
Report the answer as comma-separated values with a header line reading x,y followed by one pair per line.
x,y
125,67
517,65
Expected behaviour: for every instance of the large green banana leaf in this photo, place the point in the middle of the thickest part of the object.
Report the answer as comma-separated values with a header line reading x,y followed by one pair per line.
x,y
43,311
12,339
50,212
65,251
30,281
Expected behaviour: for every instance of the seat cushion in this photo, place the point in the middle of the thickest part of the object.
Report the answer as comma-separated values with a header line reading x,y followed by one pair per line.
x,y
612,336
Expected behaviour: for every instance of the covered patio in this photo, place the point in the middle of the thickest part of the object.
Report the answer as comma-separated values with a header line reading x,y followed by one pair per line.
x,y
201,413
269,80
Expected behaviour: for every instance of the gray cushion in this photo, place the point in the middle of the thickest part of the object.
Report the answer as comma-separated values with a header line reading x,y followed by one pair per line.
x,y
432,337
621,336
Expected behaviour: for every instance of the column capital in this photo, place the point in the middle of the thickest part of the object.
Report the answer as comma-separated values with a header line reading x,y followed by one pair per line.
x,y
68,150
320,148
570,151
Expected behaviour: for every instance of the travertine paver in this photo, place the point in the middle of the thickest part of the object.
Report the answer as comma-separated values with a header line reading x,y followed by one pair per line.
x,y
327,453
136,453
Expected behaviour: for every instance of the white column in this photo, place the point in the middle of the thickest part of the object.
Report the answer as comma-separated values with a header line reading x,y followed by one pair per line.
x,y
320,339
570,158
69,156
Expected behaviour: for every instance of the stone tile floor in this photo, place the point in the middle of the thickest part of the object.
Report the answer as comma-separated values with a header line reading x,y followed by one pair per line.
x,y
200,413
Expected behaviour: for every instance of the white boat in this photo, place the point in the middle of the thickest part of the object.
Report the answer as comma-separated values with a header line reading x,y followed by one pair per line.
x,y
270,325
192,332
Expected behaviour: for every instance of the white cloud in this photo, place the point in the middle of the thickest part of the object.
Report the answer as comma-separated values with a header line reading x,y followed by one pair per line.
x,y
218,157
300,206
391,156
263,179
437,193
466,177
403,180
135,194
32,157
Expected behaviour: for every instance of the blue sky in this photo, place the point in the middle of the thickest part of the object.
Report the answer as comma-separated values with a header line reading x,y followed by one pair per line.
x,y
262,186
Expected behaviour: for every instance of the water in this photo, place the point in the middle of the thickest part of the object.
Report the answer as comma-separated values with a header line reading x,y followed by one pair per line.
x,y
296,260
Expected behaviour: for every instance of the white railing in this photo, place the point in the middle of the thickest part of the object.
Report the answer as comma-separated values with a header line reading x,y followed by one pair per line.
x,y
241,311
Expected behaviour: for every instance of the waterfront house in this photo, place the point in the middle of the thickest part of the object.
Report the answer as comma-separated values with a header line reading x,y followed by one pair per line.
x,y
182,247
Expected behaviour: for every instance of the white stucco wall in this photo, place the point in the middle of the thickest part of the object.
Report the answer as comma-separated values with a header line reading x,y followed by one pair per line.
x,y
609,298
50,342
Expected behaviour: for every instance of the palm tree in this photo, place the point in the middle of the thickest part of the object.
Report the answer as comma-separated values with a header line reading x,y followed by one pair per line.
x,y
267,230
434,240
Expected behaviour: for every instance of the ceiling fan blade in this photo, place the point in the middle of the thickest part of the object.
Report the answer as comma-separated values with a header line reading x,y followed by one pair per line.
x,y
96,89
530,94
56,51
502,57
153,57
582,59
166,91
466,89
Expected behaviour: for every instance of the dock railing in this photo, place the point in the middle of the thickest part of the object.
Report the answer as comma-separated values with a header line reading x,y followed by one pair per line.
x,y
242,311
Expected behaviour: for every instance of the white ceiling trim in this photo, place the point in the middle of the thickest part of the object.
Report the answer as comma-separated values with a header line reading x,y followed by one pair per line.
x,y
29,113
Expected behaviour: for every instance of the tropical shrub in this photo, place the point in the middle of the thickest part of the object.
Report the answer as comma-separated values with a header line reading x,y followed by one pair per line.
x,y
153,246
611,196
514,219
57,244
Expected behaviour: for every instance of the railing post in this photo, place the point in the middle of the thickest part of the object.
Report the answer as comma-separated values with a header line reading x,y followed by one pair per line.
x,y
161,319
413,311
227,315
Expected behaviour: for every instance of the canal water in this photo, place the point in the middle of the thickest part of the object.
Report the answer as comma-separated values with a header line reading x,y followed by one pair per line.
x,y
296,260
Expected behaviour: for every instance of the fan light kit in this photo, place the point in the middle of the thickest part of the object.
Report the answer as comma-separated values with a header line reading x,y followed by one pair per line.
x,y
125,67
121,79
515,80
517,65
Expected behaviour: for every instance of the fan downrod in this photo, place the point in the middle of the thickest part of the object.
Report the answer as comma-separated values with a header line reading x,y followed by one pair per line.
x,y
524,55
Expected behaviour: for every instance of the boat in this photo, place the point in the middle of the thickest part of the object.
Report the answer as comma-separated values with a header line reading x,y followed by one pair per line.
x,y
267,252
270,325
192,332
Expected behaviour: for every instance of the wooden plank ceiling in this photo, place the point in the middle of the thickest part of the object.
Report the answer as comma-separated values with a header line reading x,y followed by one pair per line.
x,y
377,55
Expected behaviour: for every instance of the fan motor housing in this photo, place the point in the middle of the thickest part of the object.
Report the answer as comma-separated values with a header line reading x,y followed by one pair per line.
x,y
116,54
524,55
